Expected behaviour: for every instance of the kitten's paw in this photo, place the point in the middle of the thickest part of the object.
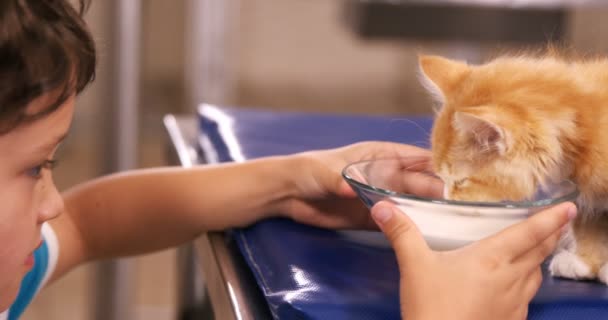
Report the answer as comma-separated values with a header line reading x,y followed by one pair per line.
x,y
566,264
602,275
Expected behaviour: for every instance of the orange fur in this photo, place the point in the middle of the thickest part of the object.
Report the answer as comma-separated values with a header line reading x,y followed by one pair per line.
x,y
516,122
508,126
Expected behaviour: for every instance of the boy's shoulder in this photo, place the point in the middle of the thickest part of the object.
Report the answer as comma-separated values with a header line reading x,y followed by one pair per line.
x,y
45,258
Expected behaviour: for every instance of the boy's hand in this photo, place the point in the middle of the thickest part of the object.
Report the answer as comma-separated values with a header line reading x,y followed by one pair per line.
x,y
322,198
494,278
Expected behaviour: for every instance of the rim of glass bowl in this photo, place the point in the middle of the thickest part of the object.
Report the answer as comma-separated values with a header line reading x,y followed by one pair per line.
x,y
518,204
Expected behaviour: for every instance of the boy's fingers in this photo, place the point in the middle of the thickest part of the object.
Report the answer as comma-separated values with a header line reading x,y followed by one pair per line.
x,y
345,190
408,151
534,257
524,236
402,233
422,184
532,283
415,177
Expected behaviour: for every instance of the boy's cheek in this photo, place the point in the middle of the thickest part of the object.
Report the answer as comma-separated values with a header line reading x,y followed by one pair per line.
x,y
13,261
9,289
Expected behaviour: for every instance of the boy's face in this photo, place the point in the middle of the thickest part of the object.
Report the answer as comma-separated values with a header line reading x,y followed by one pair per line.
x,y
28,196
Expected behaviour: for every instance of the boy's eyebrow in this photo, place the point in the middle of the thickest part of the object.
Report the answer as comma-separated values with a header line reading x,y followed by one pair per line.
x,y
54,142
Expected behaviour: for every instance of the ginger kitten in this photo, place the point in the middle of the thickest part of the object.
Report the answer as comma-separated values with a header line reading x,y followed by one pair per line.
x,y
507,126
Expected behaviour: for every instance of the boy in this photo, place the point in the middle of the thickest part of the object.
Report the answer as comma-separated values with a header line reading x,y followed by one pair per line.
x,y
47,56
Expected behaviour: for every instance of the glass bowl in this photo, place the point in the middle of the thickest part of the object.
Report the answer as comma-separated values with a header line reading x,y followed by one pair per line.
x,y
445,224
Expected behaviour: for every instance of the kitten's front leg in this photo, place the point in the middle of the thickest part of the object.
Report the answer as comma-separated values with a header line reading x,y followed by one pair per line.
x,y
566,263
583,250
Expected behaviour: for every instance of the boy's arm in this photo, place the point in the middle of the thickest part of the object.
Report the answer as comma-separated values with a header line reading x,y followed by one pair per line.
x,y
147,210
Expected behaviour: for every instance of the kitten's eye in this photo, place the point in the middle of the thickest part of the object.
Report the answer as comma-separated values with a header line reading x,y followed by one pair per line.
x,y
460,182
36,172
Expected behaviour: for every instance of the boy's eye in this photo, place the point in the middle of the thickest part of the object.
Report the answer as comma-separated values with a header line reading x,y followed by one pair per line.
x,y
36,171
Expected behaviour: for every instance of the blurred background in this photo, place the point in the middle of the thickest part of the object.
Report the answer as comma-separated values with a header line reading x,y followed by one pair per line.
x,y
276,54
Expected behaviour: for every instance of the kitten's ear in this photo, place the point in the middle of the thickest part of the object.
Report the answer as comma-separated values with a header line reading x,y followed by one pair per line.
x,y
483,128
441,76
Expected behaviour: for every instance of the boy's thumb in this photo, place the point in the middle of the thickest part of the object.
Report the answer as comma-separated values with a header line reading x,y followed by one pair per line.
x,y
402,233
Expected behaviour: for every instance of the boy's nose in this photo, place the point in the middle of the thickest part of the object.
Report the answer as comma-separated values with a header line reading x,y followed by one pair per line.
x,y
52,207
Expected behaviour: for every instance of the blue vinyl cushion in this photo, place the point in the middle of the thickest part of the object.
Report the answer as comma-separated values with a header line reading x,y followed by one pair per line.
x,y
310,273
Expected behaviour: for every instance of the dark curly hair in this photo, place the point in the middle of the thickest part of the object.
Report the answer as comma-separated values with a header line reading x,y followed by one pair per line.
x,y
45,46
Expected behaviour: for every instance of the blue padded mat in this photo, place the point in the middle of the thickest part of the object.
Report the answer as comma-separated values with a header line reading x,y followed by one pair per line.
x,y
310,273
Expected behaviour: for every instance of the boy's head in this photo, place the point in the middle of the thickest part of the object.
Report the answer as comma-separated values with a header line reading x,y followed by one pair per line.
x,y
47,56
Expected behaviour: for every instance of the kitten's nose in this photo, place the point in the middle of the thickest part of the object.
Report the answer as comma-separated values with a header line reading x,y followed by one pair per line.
x,y
446,191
